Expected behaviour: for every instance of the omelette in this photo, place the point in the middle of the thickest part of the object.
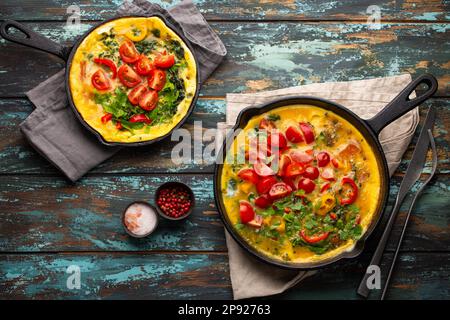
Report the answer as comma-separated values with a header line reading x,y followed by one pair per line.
x,y
300,184
133,79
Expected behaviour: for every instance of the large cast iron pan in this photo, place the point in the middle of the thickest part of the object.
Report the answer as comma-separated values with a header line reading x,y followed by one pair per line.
x,y
37,41
369,129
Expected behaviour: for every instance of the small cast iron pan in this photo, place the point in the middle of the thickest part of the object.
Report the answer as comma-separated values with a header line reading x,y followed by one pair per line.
x,y
368,128
37,41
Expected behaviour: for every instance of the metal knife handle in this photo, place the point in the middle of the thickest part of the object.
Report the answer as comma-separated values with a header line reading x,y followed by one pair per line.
x,y
363,290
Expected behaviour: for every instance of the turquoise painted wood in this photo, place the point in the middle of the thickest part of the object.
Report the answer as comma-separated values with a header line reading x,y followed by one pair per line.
x,y
318,10
48,224
272,55
199,276
158,157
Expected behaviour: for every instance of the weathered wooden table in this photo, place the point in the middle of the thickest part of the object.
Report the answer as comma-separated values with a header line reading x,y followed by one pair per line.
x,y
48,224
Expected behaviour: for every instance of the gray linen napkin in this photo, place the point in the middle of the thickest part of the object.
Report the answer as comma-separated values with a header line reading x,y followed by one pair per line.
x,y
252,278
53,130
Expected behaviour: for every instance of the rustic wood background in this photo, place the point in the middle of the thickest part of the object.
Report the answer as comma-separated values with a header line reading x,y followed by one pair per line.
x,y
48,223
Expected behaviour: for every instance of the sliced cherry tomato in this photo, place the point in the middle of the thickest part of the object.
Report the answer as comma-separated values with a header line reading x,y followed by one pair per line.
x,y
328,174
294,169
262,169
314,238
136,93
311,173
285,160
100,80
140,118
325,187
128,76
267,125
335,163
333,216
246,211
301,157
279,190
248,174
323,158
353,192
144,66
306,185
119,125
128,52
264,185
308,132
164,60
263,201
290,182
110,64
107,117
276,141
157,79
294,135
148,100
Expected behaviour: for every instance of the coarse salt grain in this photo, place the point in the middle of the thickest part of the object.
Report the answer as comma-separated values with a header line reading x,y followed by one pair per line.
x,y
140,219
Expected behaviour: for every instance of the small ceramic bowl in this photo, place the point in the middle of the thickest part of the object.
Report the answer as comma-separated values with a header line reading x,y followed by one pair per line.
x,y
140,235
170,185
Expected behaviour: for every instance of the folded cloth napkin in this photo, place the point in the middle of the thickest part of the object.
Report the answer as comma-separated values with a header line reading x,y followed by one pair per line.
x,y
252,278
53,130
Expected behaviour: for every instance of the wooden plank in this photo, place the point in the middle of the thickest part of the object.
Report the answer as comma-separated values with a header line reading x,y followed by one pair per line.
x,y
201,276
416,10
264,56
18,157
48,214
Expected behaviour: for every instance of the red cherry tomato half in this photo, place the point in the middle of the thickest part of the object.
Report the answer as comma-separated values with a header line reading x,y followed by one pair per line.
x,y
323,158
144,66
136,93
290,182
148,100
308,132
262,169
307,185
294,135
285,160
164,60
276,141
157,79
279,190
294,169
327,174
301,157
335,163
110,64
248,174
128,52
311,173
100,80
325,187
263,201
314,238
128,76
107,117
140,118
267,125
264,185
246,211
119,125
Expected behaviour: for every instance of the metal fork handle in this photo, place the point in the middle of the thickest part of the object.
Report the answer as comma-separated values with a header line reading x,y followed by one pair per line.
x,y
416,196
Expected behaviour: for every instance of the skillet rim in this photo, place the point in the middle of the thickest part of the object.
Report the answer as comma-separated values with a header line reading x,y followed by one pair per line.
x,y
98,134
356,121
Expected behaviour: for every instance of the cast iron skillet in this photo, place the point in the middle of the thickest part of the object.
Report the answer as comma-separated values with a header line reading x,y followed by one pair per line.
x,y
369,129
37,41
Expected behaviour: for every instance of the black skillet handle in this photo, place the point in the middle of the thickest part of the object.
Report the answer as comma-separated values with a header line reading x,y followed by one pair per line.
x,y
402,104
32,39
